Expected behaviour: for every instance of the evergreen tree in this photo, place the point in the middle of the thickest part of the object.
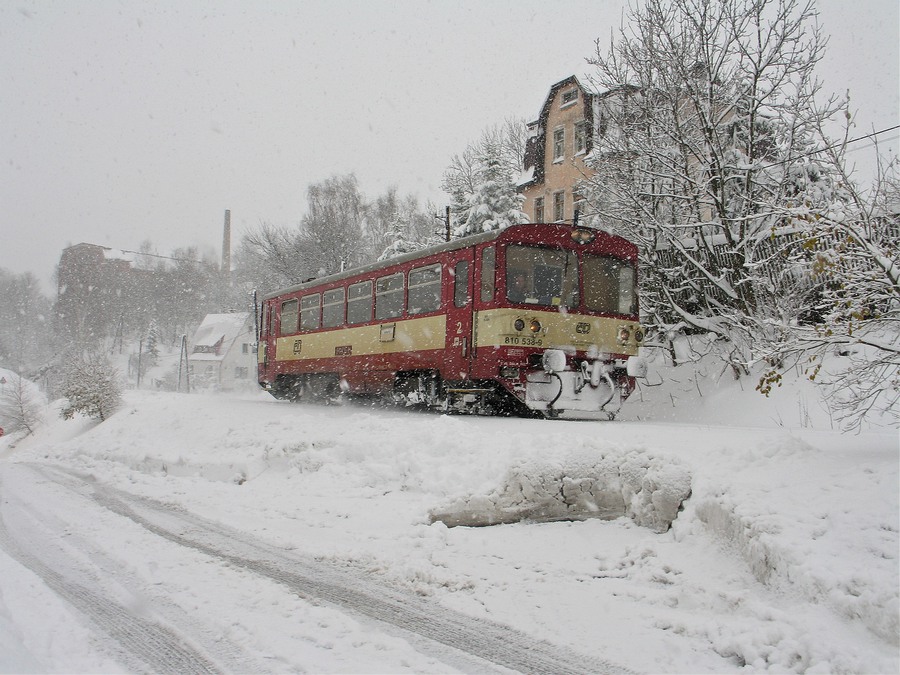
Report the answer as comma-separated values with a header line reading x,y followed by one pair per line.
x,y
495,203
505,142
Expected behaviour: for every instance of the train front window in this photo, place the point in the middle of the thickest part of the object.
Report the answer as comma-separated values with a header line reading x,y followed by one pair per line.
x,y
541,276
609,285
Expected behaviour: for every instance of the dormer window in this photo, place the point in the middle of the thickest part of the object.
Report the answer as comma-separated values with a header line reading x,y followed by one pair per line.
x,y
568,98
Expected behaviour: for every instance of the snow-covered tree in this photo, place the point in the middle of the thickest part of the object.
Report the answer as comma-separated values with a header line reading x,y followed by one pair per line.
x,y
22,405
495,203
505,142
25,325
704,154
333,228
270,257
851,342
397,225
91,387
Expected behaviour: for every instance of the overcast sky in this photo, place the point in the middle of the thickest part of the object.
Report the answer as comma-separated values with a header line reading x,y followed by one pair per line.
x,y
122,121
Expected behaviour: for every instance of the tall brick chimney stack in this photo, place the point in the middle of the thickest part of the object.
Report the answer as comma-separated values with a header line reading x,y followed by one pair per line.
x,y
226,247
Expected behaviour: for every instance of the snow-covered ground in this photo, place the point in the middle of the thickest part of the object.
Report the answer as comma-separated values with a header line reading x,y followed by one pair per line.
x,y
783,557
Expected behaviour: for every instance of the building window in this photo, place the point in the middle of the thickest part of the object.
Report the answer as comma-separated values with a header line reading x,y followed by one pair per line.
x,y
559,144
539,209
569,97
559,206
241,373
579,202
581,138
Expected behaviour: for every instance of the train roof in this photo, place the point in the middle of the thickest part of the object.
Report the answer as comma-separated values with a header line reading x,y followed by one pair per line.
x,y
455,244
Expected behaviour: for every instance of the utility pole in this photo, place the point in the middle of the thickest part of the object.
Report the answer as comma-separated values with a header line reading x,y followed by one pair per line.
x,y
140,354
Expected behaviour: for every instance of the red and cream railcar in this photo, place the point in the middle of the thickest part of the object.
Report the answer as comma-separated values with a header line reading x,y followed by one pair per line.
x,y
533,319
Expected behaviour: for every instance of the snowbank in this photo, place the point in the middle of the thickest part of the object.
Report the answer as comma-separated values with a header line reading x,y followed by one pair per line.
x,y
609,484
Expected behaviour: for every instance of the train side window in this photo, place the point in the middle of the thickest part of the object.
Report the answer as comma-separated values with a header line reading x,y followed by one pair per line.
x,y
461,283
289,314
309,312
389,296
488,265
359,302
333,308
424,292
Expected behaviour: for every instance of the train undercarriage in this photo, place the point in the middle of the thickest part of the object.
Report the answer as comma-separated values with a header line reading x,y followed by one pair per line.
x,y
584,392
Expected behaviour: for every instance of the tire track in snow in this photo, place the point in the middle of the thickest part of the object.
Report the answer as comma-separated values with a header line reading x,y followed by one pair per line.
x,y
153,645
319,581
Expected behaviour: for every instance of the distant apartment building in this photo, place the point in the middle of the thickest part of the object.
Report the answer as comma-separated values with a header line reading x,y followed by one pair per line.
x,y
109,293
571,124
98,289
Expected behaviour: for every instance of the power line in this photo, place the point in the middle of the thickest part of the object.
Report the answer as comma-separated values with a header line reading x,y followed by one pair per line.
x,y
786,161
835,145
164,257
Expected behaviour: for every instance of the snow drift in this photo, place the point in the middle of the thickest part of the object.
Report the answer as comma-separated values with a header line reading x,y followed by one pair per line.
x,y
636,484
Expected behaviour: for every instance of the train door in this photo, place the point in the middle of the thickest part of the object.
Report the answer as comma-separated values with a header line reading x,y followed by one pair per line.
x,y
459,315
267,342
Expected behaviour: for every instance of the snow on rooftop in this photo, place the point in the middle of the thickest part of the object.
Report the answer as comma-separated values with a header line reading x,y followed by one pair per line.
x,y
117,254
216,327
525,177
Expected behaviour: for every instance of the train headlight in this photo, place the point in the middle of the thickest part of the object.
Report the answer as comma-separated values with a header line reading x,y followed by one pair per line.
x,y
519,325
535,326
639,335
582,236
623,335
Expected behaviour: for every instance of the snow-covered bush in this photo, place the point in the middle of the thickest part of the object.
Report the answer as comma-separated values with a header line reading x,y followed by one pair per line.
x,y
91,385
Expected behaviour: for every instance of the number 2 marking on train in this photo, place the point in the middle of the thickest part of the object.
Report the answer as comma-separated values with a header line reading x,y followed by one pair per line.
x,y
459,327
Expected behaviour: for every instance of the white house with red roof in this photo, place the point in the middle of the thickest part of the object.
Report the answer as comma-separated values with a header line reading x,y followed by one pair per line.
x,y
223,352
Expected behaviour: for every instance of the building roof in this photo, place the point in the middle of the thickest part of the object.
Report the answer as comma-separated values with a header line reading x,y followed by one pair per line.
x,y
218,329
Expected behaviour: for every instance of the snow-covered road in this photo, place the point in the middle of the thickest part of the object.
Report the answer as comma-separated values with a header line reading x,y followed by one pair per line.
x,y
194,533
161,637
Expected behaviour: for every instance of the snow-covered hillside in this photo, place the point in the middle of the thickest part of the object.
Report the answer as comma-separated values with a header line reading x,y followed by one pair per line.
x,y
782,557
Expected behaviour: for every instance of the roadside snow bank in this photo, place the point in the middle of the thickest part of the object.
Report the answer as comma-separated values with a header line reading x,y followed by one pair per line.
x,y
806,524
608,484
